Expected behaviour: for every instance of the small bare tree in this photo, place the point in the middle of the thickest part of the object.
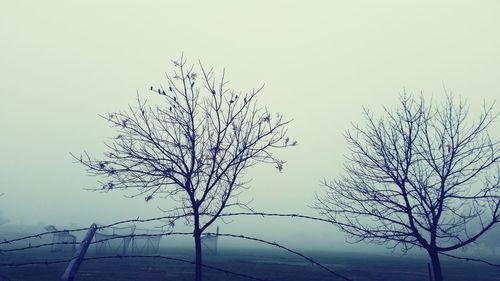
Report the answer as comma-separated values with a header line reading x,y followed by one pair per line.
x,y
422,175
193,148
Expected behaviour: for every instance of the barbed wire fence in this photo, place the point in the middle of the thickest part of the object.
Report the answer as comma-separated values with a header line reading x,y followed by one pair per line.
x,y
294,215
4,250
65,261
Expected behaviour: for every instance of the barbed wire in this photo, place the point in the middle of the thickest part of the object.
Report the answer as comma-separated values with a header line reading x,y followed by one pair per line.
x,y
286,249
50,262
113,237
471,259
99,227
292,215
262,214
39,235
187,233
138,220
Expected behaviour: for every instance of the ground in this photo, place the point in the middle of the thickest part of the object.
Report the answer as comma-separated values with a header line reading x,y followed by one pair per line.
x,y
261,263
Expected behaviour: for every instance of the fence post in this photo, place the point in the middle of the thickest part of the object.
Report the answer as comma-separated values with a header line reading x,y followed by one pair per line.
x,y
74,264
217,241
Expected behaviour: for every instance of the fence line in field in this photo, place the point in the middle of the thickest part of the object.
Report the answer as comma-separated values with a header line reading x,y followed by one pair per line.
x,y
309,259
47,262
138,220
293,215
100,227
471,259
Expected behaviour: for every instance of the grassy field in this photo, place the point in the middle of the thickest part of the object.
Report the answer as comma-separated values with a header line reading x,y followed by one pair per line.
x,y
266,264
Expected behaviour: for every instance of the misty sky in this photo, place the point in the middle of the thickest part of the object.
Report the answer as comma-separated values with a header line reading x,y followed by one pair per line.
x,y
62,63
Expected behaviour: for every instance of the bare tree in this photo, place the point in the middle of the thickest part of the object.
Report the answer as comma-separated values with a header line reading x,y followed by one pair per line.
x,y
422,175
193,148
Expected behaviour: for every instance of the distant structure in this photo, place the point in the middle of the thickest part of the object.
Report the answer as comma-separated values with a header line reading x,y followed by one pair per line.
x,y
210,242
129,239
114,239
61,237
150,243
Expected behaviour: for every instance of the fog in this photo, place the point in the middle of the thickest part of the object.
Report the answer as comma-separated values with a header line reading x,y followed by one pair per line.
x,y
62,63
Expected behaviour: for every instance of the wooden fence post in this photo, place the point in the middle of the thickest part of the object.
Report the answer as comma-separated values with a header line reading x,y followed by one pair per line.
x,y
74,264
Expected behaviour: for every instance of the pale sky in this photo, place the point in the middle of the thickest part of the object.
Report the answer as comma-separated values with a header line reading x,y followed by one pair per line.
x,y
64,62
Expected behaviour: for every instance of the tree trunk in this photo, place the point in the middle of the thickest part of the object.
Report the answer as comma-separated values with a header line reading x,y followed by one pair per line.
x,y
436,265
197,246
